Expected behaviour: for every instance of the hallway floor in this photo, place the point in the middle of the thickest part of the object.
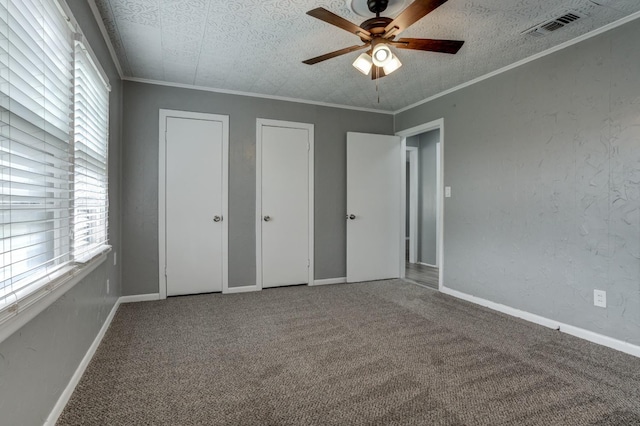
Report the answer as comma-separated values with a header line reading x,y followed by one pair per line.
x,y
422,274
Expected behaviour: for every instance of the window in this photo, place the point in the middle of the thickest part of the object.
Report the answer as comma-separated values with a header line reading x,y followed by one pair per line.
x,y
90,201
53,145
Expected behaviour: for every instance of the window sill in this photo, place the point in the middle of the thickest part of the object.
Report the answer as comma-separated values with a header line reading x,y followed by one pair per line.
x,y
16,315
88,257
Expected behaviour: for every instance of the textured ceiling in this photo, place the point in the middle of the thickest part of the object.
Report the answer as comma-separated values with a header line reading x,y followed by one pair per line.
x,y
257,46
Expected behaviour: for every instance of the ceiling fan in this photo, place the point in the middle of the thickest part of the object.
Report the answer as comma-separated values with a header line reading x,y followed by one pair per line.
x,y
379,33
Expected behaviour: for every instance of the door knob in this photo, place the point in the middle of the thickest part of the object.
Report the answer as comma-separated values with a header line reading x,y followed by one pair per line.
x,y
217,218
351,216
267,218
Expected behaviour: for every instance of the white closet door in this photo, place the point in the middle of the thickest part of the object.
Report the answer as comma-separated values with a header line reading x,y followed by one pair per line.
x,y
284,224
194,206
373,206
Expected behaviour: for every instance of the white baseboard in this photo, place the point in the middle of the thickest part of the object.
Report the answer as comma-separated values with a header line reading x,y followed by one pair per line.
x,y
601,339
139,298
75,379
77,375
427,264
243,289
591,336
326,281
409,280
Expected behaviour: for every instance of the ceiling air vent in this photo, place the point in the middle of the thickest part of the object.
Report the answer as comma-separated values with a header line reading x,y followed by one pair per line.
x,y
555,23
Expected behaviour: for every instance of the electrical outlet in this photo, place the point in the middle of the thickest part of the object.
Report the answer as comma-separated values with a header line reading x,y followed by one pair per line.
x,y
115,257
107,286
447,192
600,298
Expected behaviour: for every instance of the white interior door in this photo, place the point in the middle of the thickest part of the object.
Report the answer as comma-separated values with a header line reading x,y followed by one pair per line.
x,y
374,195
194,205
285,204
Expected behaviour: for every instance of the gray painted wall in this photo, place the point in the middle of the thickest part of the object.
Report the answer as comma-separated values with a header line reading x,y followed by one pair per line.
x,y
37,362
140,176
413,141
544,165
427,197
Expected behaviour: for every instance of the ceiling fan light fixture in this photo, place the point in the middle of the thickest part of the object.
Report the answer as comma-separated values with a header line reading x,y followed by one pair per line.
x,y
363,63
393,65
381,55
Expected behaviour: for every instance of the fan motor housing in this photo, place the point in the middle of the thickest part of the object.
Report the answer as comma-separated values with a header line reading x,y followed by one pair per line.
x,y
377,6
376,26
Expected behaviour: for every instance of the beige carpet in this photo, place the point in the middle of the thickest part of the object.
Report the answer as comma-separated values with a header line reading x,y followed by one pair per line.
x,y
380,353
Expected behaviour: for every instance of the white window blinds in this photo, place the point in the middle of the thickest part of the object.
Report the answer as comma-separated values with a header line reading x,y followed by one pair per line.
x,y
36,89
90,184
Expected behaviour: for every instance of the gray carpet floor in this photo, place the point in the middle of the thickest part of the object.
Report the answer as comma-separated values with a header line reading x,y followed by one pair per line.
x,y
378,353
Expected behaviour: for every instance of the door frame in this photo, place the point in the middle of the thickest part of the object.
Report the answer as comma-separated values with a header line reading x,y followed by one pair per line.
x,y
263,122
162,194
404,134
413,202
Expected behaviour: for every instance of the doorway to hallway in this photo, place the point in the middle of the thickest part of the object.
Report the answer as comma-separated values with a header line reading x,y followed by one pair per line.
x,y
423,204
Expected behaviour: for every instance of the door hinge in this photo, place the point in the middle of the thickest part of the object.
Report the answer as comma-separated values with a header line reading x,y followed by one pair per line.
x,y
308,263
308,147
165,271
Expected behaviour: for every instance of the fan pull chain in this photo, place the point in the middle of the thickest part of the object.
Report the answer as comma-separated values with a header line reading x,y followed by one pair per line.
x,y
378,78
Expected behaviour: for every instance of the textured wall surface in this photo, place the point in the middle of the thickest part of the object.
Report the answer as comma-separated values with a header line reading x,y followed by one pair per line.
x,y
140,176
544,165
37,362
427,197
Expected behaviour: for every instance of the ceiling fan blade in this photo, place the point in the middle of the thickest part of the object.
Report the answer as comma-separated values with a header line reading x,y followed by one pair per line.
x,y
377,72
412,14
334,54
430,45
333,19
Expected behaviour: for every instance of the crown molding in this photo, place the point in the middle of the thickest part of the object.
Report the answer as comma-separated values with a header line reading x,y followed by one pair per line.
x,y
521,62
517,64
103,30
254,95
